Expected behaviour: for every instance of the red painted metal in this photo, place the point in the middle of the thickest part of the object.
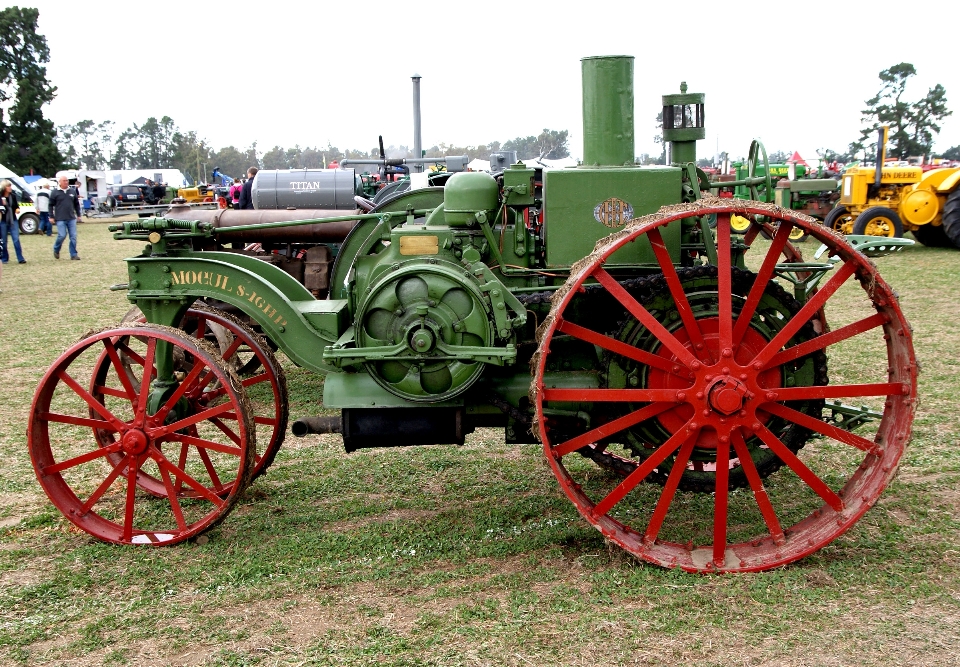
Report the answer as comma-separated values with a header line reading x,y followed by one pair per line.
x,y
244,351
733,400
93,480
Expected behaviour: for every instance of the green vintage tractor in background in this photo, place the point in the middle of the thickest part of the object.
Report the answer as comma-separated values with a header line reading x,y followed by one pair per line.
x,y
677,377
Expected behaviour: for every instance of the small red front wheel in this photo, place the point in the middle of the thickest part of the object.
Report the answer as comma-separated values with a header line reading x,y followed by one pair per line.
x,y
89,457
247,353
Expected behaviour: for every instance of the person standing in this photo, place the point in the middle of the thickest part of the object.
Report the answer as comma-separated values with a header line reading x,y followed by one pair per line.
x,y
234,193
9,210
246,193
65,204
43,208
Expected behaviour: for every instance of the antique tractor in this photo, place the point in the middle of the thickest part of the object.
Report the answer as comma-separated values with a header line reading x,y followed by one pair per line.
x,y
888,201
677,380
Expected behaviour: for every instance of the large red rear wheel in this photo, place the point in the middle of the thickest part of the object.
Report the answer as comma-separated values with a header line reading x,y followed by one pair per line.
x,y
92,456
715,380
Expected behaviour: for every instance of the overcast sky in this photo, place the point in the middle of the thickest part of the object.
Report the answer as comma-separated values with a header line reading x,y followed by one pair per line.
x,y
792,74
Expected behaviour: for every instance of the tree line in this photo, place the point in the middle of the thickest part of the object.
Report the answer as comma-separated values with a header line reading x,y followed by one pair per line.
x,y
161,144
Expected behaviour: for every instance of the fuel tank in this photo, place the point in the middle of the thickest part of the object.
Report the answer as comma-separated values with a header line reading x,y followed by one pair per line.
x,y
306,188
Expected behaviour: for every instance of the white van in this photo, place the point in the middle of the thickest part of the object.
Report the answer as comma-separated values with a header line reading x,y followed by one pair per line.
x,y
29,219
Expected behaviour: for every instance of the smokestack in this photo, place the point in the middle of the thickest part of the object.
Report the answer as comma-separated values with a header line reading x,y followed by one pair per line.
x,y
417,141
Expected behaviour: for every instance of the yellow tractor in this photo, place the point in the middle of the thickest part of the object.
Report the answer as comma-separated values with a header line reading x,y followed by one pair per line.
x,y
887,201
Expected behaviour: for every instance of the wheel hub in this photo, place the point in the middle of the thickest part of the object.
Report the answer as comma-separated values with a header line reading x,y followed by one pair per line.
x,y
727,395
421,340
134,441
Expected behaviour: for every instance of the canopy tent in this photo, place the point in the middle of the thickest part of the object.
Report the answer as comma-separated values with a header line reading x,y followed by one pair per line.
x,y
796,159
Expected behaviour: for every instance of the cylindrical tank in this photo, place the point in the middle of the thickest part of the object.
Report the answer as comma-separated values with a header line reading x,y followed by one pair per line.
x,y
330,232
305,188
607,111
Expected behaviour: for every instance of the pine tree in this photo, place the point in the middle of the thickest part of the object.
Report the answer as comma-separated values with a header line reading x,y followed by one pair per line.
x,y
27,139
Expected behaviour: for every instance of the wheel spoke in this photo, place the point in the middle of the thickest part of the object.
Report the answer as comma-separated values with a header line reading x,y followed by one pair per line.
x,y
827,339
808,310
190,421
164,463
123,347
679,296
840,391
132,469
203,443
211,471
185,385
721,497
116,393
724,283
669,489
172,497
616,395
104,485
802,471
618,347
121,370
97,406
226,429
232,350
646,319
608,429
760,283
98,424
823,428
267,421
92,455
256,379
630,482
756,485
148,371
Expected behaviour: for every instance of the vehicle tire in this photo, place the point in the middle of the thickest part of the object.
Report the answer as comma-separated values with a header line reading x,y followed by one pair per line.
x,y
932,237
29,223
836,218
951,217
879,221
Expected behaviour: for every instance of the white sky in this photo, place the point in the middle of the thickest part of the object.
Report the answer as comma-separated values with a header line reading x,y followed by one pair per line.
x,y
792,74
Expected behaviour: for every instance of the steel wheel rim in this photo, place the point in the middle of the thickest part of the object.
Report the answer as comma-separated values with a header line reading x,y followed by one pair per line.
x,y
837,510
101,497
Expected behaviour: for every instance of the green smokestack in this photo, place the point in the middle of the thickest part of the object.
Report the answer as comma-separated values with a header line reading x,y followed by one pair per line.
x,y
607,111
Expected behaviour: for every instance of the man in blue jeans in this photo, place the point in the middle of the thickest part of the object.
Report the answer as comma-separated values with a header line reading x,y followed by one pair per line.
x,y
65,206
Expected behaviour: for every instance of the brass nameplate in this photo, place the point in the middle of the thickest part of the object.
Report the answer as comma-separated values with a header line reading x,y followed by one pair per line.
x,y
419,245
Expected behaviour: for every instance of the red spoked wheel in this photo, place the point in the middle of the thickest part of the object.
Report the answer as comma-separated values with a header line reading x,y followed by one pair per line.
x,y
248,354
715,385
90,458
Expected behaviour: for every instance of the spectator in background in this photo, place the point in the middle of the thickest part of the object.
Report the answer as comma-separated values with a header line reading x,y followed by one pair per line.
x,y
246,194
65,204
9,209
159,191
234,192
147,191
43,209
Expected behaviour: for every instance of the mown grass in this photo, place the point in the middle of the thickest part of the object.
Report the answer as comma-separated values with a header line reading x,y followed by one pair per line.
x,y
456,556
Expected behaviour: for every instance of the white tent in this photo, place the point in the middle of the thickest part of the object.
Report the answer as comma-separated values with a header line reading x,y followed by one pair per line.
x,y
171,177
479,165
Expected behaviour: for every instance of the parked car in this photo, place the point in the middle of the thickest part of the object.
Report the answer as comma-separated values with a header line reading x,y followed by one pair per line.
x,y
127,195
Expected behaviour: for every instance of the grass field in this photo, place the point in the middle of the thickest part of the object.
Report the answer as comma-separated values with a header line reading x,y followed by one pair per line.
x,y
455,555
